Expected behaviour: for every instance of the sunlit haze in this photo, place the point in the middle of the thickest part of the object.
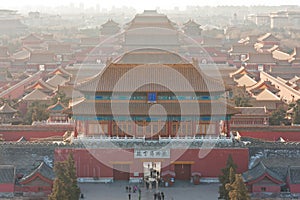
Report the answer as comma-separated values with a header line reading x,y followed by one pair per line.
x,y
139,4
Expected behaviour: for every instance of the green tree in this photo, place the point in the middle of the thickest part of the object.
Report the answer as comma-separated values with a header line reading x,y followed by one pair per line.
x,y
65,184
226,178
8,74
36,112
241,97
242,101
231,175
59,190
237,190
277,117
74,190
231,180
296,113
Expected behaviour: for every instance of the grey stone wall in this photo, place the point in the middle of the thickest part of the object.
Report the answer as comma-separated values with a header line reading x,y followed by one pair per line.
x,y
6,194
26,157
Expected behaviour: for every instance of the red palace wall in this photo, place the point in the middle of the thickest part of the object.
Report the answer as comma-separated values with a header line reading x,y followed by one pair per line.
x,y
13,133
7,187
17,90
99,162
268,188
294,188
272,136
34,190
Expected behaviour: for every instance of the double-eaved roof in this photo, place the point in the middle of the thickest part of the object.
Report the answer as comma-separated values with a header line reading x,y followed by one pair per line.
x,y
126,76
152,78
151,18
150,55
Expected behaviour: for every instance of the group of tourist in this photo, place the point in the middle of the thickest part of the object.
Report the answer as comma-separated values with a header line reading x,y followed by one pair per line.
x,y
134,189
159,196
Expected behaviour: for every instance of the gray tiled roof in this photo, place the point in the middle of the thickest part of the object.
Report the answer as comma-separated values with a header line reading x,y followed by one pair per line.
x,y
192,79
36,95
277,167
260,58
44,169
6,108
56,80
150,55
294,174
253,110
7,174
259,170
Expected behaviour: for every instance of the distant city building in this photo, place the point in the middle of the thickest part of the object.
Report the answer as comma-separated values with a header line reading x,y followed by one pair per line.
x,y
279,20
262,20
10,23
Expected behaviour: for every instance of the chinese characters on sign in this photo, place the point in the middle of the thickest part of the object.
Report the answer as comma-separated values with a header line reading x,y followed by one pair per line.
x,y
162,153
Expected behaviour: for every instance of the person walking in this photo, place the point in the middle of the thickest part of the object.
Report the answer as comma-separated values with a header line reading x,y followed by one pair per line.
x,y
155,196
129,196
158,196
162,196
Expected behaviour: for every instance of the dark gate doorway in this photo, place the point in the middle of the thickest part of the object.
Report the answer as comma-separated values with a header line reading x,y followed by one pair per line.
x,y
182,171
121,172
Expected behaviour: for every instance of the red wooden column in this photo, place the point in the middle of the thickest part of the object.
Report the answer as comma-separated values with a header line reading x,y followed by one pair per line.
x,y
169,128
133,125
86,127
227,128
110,128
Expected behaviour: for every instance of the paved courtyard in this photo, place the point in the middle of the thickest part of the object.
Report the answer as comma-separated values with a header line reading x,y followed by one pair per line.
x,y
179,191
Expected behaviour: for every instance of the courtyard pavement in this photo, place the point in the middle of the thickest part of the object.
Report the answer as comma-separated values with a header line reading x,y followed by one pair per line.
x,y
179,191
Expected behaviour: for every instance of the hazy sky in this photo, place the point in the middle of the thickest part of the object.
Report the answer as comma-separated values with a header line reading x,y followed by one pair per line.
x,y
141,4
